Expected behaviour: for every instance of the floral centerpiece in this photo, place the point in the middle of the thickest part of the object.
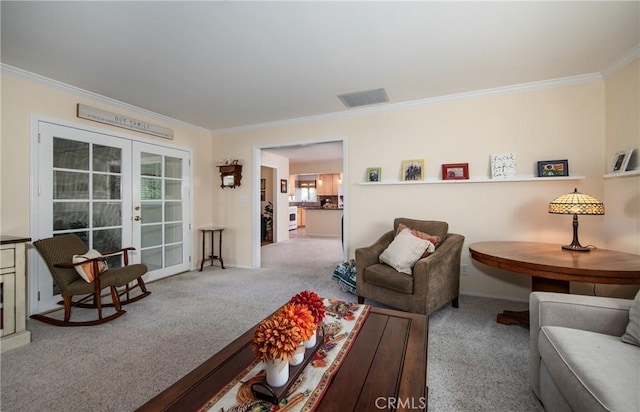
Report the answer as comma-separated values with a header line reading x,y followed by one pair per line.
x,y
275,341
313,302
315,305
303,318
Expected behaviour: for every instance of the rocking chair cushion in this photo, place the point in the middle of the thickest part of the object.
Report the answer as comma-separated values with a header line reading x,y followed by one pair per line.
x,y
86,270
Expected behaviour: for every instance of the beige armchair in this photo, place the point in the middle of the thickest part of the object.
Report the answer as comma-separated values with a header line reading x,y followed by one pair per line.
x,y
435,279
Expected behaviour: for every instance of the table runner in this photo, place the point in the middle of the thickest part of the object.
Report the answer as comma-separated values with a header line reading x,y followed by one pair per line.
x,y
342,323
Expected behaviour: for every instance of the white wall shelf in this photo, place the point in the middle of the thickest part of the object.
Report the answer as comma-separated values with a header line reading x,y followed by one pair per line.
x,y
622,174
471,180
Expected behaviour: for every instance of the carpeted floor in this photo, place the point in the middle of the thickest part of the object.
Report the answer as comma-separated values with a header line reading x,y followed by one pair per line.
x,y
474,363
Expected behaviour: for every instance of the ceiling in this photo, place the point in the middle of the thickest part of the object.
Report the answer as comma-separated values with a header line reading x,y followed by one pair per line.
x,y
226,66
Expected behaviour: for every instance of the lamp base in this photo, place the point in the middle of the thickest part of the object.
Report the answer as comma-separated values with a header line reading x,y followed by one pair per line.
x,y
576,248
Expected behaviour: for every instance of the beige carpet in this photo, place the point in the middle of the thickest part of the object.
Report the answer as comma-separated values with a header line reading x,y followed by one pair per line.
x,y
474,363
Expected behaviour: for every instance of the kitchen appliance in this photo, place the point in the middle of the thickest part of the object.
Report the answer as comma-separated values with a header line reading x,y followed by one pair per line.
x,y
293,217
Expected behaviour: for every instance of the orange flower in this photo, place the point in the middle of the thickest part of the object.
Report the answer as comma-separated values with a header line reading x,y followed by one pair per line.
x,y
313,301
301,316
276,337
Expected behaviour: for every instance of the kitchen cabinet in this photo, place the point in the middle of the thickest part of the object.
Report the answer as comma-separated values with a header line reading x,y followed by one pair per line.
x,y
326,187
301,217
330,184
337,181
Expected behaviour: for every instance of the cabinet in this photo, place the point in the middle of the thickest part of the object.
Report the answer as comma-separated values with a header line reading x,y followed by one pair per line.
x,y
330,184
13,296
325,185
301,217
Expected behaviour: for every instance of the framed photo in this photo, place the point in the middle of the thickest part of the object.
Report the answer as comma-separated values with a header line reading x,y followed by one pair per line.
x,y
263,184
413,169
455,171
263,196
621,161
374,174
551,168
283,186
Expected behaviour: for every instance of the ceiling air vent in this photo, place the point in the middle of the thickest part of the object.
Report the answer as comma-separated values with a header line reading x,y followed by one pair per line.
x,y
364,98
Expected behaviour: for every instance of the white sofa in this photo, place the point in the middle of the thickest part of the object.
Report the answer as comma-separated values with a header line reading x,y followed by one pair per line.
x,y
577,359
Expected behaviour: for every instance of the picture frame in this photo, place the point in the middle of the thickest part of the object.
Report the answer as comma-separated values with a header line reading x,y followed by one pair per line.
x,y
283,186
374,174
553,168
413,170
621,161
263,195
455,171
263,184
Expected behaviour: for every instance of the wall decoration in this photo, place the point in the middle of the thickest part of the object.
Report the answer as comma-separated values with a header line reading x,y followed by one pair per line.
x,y
374,174
413,169
621,161
503,165
455,171
551,168
283,186
102,116
263,184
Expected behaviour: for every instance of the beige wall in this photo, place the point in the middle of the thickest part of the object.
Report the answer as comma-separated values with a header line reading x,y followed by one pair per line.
x,y
622,194
545,124
22,97
583,123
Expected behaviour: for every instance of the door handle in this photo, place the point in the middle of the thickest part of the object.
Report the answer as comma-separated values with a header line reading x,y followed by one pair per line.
x,y
137,218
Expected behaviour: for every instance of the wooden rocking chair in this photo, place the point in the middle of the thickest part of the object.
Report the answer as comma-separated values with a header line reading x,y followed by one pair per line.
x,y
58,253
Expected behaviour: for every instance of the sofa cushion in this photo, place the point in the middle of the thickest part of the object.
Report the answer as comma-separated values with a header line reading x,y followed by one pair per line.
x,y
593,371
388,278
435,240
632,334
404,251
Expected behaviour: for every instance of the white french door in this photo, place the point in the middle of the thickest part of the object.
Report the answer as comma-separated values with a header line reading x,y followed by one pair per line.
x,y
112,192
160,198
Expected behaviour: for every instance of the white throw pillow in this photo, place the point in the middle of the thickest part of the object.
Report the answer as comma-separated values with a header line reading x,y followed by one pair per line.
x,y
86,270
404,251
632,334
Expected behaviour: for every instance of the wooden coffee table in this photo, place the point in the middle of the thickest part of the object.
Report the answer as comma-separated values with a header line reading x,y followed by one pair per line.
x,y
387,363
552,268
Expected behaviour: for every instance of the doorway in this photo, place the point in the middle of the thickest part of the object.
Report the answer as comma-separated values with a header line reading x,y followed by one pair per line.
x,y
329,150
112,192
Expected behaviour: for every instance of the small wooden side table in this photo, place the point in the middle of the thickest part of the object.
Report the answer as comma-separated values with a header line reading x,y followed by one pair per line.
x,y
211,255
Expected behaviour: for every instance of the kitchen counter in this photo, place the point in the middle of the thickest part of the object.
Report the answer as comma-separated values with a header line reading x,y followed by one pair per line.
x,y
323,222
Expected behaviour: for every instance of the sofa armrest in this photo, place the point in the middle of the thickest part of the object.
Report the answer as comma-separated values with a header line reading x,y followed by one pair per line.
x,y
599,314
370,255
439,273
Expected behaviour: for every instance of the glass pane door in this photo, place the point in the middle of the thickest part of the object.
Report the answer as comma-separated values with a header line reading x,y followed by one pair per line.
x,y
161,228
84,183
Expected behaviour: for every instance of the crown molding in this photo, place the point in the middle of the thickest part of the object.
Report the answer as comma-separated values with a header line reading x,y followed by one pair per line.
x,y
17,72
629,57
544,84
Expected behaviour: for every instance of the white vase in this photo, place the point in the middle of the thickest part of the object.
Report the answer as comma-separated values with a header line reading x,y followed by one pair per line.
x,y
312,340
277,372
298,356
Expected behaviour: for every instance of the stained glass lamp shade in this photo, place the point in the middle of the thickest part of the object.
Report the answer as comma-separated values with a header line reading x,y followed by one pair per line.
x,y
575,204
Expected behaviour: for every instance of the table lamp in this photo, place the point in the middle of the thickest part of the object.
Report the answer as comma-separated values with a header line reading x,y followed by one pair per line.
x,y
575,204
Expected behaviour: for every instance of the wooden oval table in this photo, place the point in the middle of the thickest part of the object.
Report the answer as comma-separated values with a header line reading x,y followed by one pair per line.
x,y
551,268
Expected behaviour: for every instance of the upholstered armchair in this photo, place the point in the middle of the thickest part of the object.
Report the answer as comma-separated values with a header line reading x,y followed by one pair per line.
x,y
434,280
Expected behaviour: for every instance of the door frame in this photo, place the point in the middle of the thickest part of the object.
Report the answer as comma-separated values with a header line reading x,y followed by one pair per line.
x,y
255,189
34,173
